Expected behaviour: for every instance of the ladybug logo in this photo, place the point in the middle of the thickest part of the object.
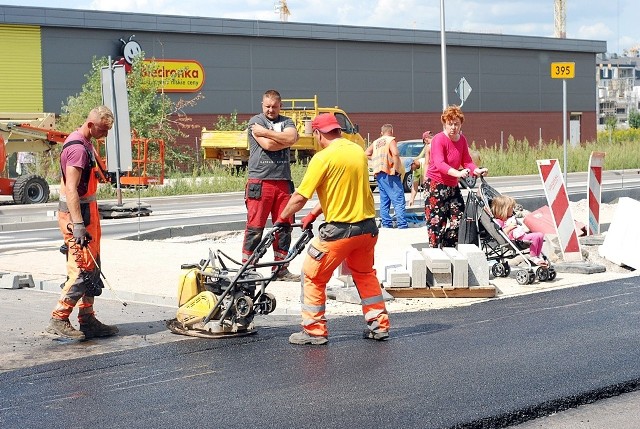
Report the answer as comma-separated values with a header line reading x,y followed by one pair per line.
x,y
130,49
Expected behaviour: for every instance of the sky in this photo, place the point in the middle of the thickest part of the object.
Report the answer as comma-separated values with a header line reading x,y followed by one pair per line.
x,y
614,21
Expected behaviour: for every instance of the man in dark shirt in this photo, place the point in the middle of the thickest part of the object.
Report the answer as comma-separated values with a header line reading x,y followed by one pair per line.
x,y
269,186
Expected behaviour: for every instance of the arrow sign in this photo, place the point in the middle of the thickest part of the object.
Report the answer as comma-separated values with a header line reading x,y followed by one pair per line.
x,y
463,90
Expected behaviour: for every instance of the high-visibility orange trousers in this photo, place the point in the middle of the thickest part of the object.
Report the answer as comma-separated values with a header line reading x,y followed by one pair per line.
x,y
79,262
358,252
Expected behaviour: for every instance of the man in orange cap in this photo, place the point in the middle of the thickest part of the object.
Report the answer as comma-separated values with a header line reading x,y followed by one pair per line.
x,y
339,176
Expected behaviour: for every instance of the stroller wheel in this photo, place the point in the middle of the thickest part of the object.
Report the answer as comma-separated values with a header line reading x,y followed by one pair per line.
x,y
501,269
522,277
552,274
497,270
532,277
543,274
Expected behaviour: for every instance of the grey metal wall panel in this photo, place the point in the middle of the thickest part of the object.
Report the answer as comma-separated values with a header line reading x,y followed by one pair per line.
x,y
358,75
163,23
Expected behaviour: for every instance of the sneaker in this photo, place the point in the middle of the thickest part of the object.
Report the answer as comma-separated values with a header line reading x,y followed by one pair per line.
x,y
92,327
378,336
287,276
63,328
306,338
541,262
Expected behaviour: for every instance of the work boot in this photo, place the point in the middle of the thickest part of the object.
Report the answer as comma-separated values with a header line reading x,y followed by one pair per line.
x,y
63,328
378,336
92,327
303,338
287,276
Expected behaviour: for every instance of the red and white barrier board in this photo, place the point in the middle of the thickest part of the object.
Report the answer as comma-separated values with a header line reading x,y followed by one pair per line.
x,y
594,192
558,200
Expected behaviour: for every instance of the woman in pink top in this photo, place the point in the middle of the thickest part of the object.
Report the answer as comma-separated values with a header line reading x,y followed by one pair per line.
x,y
450,161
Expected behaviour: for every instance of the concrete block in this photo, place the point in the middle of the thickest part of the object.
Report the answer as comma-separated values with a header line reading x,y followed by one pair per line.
x,y
343,274
459,266
439,280
417,266
478,266
390,268
621,241
399,278
16,281
437,260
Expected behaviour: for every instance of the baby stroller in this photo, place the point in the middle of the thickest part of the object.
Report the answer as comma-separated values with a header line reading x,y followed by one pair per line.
x,y
478,227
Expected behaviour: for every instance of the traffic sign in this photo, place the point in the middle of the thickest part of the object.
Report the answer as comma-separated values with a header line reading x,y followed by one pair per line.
x,y
563,70
463,90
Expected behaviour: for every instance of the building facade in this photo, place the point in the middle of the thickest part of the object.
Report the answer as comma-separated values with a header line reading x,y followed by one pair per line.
x,y
618,88
377,75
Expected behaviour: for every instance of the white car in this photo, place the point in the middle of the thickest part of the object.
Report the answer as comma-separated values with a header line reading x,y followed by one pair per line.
x,y
409,149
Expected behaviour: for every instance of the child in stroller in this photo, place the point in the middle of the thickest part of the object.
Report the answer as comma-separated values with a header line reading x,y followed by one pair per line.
x,y
500,244
503,207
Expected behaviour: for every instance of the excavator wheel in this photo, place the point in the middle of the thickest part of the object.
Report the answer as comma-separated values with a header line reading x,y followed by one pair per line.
x,y
30,189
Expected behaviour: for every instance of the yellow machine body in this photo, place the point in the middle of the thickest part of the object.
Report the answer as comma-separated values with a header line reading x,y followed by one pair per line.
x,y
194,302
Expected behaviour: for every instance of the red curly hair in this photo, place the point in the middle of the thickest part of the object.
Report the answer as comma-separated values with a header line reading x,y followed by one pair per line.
x,y
450,113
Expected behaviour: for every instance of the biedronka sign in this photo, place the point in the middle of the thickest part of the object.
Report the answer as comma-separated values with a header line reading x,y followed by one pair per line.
x,y
175,75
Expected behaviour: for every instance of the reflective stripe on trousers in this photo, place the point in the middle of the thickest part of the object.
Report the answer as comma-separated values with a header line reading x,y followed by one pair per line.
x,y
358,252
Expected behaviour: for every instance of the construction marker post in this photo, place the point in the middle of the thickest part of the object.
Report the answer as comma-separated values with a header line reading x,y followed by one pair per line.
x,y
558,200
564,71
594,191
114,96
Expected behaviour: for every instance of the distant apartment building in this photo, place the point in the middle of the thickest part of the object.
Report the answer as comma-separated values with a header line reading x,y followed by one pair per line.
x,y
618,80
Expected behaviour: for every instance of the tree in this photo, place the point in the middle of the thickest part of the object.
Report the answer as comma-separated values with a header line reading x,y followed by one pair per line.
x,y
152,114
634,119
611,122
231,123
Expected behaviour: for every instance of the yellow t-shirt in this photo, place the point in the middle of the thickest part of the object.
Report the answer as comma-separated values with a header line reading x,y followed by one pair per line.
x,y
339,175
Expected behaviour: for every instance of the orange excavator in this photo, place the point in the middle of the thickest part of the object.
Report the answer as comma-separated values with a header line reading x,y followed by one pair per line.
x,y
148,160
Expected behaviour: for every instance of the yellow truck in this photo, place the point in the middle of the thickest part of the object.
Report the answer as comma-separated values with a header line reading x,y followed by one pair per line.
x,y
232,147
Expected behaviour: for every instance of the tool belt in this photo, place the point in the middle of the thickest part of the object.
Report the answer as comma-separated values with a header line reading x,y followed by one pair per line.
x,y
332,231
63,207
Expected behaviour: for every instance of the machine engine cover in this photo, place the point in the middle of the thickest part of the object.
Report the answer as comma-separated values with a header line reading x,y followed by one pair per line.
x,y
197,308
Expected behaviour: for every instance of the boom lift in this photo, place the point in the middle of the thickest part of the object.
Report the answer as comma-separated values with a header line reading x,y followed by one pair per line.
x,y
148,160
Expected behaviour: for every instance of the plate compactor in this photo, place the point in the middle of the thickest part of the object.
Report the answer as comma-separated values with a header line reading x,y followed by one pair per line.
x,y
216,301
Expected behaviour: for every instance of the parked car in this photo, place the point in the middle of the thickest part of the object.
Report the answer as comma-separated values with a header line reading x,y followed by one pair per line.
x,y
409,149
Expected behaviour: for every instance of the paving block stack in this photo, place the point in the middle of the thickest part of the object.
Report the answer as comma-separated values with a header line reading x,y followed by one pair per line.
x,y
441,273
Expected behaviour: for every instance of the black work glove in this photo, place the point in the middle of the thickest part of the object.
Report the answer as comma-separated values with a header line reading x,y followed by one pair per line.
x,y
80,234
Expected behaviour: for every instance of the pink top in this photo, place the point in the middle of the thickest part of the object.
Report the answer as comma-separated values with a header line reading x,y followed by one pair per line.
x,y
446,154
76,155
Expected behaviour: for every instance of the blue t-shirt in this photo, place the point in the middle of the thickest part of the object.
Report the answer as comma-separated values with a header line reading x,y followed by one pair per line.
x,y
266,164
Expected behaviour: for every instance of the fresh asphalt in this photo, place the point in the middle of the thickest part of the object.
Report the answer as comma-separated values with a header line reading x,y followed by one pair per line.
x,y
492,364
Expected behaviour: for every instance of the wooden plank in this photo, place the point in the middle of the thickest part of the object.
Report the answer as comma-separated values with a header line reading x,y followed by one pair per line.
x,y
435,292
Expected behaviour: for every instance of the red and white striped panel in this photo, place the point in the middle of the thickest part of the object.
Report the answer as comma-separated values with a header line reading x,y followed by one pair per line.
x,y
558,200
594,191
